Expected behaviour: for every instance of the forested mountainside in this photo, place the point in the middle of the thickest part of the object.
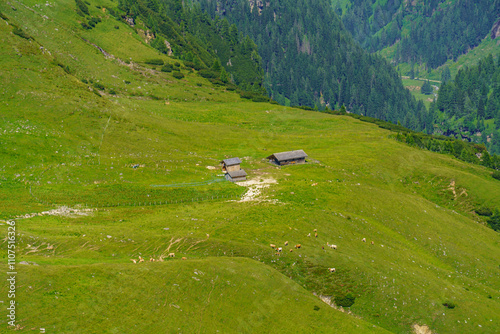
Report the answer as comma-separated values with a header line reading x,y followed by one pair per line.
x,y
428,32
310,59
188,34
124,224
469,106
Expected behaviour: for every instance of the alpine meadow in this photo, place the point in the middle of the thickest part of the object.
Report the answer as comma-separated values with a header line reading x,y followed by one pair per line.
x,y
119,120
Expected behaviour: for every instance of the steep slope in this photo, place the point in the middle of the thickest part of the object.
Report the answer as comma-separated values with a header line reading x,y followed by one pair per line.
x,y
424,32
132,166
310,59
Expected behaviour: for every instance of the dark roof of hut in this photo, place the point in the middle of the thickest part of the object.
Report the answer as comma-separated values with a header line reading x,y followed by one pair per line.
x,y
237,173
291,155
231,161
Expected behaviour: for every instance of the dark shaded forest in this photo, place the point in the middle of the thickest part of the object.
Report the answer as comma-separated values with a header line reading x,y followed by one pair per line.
x,y
429,32
310,59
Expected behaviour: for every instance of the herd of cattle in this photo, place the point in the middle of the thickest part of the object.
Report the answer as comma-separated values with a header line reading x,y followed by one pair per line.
x,y
280,249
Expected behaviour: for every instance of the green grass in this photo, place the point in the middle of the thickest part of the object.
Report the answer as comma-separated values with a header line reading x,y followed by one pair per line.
x,y
414,87
62,145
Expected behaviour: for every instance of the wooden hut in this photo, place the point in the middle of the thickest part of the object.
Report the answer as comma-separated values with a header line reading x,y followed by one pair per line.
x,y
288,158
236,176
231,164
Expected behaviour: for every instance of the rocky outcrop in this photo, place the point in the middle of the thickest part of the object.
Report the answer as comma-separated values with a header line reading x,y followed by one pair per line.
x,y
495,31
130,21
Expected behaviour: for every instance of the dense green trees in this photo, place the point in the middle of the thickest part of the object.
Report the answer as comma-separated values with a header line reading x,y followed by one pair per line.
x,y
191,35
428,31
472,99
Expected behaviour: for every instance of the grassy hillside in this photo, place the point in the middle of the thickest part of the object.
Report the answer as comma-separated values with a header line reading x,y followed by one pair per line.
x,y
131,165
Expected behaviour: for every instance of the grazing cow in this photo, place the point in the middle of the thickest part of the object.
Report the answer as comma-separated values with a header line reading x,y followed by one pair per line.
x,y
272,245
133,260
373,243
315,230
286,243
298,246
141,259
322,247
333,246
309,235
279,249
151,259
316,235
184,258
364,239
160,258
332,270
171,254
291,250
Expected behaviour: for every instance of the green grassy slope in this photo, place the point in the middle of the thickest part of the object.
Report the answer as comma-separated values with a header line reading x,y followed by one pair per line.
x,y
62,145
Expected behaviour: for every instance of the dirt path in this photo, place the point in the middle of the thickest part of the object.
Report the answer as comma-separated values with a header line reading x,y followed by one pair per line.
x,y
254,192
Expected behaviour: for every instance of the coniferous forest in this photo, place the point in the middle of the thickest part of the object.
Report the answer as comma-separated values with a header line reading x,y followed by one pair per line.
x,y
309,59
429,32
470,104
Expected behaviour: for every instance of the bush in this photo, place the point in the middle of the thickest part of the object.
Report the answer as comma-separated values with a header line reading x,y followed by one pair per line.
x,y
189,64
177,64
449,305
166,68
484,211
496,174
112,91
117,27
345,300
82,7
21,33
99,86
494,221
208,74
3,16
158,62
178,75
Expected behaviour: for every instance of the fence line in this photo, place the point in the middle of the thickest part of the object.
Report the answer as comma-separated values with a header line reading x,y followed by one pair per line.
x,y
149,203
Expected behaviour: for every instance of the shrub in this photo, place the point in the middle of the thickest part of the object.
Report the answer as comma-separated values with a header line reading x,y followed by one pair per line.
x,y
178,75
112,91
260,98
494,220
166,68
177,64
199,84
3,16
496,174
158,62
21,33
345,300
449,305
189,64
82,7
85,81
117,27
99,86
208,74
484,211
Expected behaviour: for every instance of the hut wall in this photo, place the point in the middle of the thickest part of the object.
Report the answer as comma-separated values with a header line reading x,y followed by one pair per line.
x,y
292,162
233,168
